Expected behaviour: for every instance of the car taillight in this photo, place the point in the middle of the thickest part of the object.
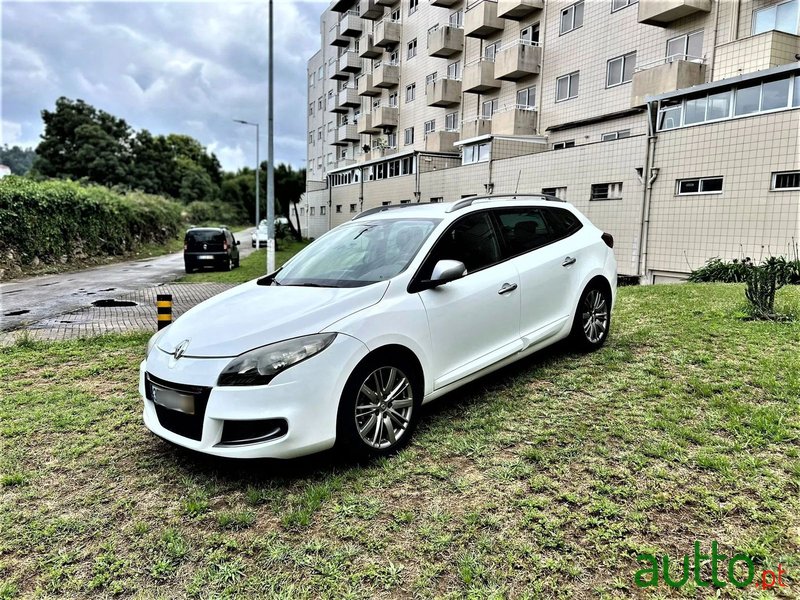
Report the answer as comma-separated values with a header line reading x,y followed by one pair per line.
x,y
608,239
185,246
225,245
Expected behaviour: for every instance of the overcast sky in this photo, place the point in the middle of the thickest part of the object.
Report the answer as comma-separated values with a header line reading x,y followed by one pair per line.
x,y
169,67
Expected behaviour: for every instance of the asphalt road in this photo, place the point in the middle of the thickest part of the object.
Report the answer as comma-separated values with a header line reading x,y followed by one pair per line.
x,y
26,301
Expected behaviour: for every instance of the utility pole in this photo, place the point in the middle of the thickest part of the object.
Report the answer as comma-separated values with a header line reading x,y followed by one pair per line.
x,y
258,167
270,161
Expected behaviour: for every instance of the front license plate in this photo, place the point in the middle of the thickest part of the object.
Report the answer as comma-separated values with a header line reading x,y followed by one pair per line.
x,y
173,400
205,257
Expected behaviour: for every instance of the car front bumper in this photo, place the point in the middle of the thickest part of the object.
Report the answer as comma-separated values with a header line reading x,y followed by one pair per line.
x,y
305,396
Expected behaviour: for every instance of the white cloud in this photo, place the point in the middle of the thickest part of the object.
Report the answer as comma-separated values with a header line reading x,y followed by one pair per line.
x,y
10,133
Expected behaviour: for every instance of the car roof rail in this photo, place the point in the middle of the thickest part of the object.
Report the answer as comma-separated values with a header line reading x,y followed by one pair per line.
x,y
500,197
379,209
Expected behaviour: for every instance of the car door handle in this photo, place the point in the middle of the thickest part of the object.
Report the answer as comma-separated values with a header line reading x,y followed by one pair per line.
x,y
569,261
507,288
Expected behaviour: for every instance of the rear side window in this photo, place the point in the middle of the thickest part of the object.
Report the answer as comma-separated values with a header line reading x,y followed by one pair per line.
x,y
562,222
471,240
205,236
524,229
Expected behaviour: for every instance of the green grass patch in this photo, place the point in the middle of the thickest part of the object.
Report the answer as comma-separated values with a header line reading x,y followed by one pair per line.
x,y
544,480
249,268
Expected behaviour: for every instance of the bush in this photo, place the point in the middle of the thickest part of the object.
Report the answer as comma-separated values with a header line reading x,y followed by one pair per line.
x,y
762,282
738,271
202,212
54,219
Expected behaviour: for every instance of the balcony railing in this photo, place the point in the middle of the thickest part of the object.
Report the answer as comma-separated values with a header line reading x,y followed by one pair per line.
x,y
445,41
441,141
475,127
516,10
350,24
443,92
666,75
479,76
346,99
387,33
349,62
667,60
384,117
515,119
386,75
517,59
365,86
369,49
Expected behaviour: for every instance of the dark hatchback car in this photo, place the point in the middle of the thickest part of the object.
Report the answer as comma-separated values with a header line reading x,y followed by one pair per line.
x,y
210,247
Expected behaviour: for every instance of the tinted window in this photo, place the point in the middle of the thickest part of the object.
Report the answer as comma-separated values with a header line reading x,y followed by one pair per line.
x,y
471,240
562,222
524,229
205,236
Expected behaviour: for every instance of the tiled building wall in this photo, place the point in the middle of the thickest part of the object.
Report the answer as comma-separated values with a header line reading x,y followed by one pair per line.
x,y
755,53
746,219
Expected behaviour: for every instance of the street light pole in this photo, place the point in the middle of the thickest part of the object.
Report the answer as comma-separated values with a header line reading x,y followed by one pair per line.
x,y
258,166
270,162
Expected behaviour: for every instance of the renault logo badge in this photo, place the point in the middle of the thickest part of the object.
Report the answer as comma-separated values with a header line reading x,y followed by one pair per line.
x,y
180,349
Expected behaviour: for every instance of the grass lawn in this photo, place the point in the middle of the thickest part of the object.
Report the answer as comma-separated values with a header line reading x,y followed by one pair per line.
x,y
249,268
544,480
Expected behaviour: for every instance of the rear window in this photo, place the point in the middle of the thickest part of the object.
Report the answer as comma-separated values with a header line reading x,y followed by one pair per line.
x,y
205,236
562,222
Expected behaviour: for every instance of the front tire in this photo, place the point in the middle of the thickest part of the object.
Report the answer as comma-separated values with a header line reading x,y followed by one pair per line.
x,y
592,319
379,408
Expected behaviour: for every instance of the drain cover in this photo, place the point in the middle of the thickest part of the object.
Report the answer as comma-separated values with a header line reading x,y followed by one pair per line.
x,y
14,313
111,302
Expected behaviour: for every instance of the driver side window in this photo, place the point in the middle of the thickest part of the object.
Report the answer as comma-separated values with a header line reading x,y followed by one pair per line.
x,y
471,240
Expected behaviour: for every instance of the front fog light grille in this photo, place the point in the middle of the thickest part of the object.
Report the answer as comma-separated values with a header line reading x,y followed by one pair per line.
x,y
237,433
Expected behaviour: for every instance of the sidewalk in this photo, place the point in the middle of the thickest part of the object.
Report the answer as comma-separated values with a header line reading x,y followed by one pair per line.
x,y
94,320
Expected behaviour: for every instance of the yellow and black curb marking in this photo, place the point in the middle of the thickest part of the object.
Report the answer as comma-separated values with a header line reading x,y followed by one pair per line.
x,y
164,308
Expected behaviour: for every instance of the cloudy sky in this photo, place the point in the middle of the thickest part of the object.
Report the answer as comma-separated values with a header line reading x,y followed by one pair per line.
x,y
169,67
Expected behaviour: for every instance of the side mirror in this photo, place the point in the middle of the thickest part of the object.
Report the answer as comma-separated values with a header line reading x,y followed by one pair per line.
x,y
238,242
444,271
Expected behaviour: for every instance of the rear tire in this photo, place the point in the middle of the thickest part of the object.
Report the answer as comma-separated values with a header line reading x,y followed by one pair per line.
x,y
188,268
379,408
592,319
228,264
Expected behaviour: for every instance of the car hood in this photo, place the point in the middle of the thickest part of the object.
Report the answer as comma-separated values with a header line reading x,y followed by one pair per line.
x,y
260,233
251,315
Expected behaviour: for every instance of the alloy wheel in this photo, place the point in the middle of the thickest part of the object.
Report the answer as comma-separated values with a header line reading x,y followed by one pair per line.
x,y
383,407
594,316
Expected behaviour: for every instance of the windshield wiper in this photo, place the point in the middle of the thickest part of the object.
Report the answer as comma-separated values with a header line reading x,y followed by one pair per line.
x,y
307,284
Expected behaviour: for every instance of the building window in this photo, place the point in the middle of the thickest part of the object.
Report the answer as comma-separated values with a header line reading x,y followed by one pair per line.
x,y
386,203
311,109
436,199
302,211
391,140
567,87
620,70
411,92
558,192
454,70
311,211
338,208
685,47
429,79
319,103
322,210
562,145
490,50
476,153
352,208
488,108
451,121
615,135
701,185
412,48
526,98
330,158
620,4
530,34
571,18
430,126
405,201
788,180
412,6
320,73
606,191
456,18
782,16
311,79
408,138
311,138
319,133
407,165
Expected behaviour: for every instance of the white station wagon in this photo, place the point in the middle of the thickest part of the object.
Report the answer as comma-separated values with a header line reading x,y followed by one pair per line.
x,y
345,342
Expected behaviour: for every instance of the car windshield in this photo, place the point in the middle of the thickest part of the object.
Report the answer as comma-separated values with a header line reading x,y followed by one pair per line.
x,y
206,235
358,253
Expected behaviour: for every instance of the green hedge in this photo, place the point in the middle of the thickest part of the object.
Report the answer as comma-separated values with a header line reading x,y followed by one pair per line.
x,y
738,271
51,219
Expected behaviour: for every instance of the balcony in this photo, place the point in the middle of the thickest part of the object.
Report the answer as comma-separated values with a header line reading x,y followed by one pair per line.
x,y
343,5
386,75
349,62
384,117
666,75
369,49
443,93
475,127
365,125
445,41
365,87
385,2
337,39
755,53
479,77
515,120
387,33
346,134
516,10
481,20
664,12
350,24
346,99
444,3
517,60
441,141
371,10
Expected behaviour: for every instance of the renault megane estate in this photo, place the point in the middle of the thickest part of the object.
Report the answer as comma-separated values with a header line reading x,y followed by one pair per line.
x,y
344,343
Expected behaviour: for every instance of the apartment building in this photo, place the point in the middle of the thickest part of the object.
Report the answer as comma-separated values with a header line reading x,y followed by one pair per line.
x,y
673,124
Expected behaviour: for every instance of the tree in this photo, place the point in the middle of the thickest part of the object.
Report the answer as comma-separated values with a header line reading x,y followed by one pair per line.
x,y
19,160
289,186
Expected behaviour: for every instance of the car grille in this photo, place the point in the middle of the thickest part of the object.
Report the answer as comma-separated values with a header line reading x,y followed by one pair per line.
x,y
189,426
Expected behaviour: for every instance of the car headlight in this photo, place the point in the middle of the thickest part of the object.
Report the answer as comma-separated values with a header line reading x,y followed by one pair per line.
x,y
260,366
151,343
